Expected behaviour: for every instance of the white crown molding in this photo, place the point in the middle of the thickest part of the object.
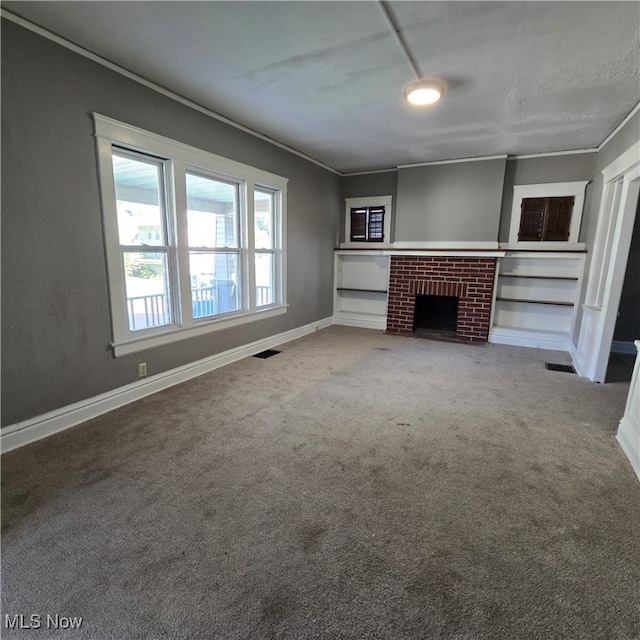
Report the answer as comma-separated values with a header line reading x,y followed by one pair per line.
x,y
369,173
28,431
572,152
503,156
623,163
619,127
41,31
497,157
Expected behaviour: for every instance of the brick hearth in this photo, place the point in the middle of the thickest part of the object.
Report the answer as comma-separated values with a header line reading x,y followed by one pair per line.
x,y
469,279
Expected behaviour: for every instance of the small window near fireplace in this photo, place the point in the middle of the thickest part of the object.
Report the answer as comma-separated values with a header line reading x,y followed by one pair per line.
x,y
367,224
546,215
367,220
545,219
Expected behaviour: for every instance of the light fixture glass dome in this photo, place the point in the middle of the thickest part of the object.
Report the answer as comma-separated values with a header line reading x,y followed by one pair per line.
x,y
424,91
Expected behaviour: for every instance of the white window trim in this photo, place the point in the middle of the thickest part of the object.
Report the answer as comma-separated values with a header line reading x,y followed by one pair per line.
x,y
549,190
182,157
376,201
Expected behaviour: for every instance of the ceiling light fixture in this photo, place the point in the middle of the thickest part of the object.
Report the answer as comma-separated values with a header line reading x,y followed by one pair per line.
x,y
424,91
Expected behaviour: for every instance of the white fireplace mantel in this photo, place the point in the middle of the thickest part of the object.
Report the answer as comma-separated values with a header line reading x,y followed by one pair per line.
x,y
435,248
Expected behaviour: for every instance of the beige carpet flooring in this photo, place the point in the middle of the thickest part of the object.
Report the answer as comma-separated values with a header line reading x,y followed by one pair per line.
x,y
356,485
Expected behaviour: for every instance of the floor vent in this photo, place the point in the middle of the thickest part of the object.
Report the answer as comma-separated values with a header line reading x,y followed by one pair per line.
x,y
565,368
266,354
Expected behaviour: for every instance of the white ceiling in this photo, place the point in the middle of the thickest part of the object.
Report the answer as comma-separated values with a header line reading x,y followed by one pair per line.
x,y
326,78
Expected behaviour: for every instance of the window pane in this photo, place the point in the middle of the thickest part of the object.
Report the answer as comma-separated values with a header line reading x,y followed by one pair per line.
x,y
147,290
359,224
263,213
376,224
139,202
558,219
212,207
214,278
264,279
531,219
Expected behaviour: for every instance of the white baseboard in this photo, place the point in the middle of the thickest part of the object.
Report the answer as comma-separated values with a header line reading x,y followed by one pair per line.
x,y
624,346
23,433
533,339
629,443
578,364
361,321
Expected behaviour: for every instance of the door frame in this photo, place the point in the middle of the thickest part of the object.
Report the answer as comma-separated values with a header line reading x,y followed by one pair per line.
x,y
618,205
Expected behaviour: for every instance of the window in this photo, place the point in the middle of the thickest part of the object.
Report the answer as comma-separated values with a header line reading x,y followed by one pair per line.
x,y
194,242
214,249
543,219
264,208
367,224
547,215
367,220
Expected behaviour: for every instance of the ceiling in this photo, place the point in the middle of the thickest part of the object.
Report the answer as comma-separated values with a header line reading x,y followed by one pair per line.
x,y
326,78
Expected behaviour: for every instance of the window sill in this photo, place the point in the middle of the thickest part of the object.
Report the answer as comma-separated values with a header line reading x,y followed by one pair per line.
x,y
547,245
135,345
365,245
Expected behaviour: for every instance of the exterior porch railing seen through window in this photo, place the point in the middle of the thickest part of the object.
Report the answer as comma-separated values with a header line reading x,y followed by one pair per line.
x,y
148,311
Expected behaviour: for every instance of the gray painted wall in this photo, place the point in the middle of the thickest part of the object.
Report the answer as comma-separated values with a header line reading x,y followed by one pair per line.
x,y
55,310
569,168
454,202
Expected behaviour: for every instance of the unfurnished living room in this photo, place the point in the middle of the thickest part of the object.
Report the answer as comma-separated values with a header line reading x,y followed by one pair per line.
x,y
320,320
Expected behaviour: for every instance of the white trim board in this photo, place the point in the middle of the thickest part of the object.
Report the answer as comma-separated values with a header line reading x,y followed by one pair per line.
x,y
360,320
615,222
532,339
447,245
629,444
28,431
628,435
622,346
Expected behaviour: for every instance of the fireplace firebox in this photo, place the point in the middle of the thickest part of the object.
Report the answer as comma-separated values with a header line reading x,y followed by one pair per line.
x,y
437,314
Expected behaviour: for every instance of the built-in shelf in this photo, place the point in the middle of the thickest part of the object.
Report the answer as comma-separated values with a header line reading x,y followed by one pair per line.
x,y
536,299
361,281
363,290
518,275
528,301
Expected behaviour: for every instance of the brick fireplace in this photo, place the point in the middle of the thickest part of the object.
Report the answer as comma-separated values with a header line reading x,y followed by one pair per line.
x,y
470,280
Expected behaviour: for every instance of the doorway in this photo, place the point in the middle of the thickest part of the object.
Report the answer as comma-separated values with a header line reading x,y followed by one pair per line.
x,y
627,328
620,192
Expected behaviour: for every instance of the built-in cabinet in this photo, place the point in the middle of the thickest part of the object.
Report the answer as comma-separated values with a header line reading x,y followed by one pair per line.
x,y
361,281
536,299
629,430
535,303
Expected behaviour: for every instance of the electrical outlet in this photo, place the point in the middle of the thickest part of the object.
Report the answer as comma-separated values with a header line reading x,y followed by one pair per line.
x,y
142,370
